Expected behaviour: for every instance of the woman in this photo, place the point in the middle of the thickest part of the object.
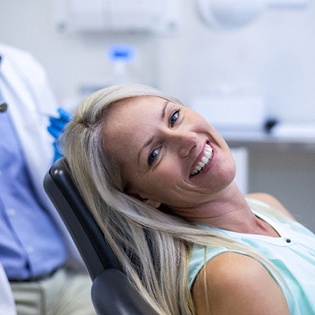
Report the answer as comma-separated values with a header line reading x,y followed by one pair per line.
x,y
159,181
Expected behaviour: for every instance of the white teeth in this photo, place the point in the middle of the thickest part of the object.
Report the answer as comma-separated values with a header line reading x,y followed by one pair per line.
x,y
205,160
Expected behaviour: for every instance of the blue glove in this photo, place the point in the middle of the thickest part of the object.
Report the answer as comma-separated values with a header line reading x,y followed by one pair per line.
x,y
56,127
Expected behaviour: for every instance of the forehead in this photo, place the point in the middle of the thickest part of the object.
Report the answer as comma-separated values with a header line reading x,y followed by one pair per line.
x,y
139,103
133,112
129,123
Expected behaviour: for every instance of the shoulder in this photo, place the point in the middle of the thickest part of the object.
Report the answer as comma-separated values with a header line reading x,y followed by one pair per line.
x,y
14,53
233,283
271,201
22,61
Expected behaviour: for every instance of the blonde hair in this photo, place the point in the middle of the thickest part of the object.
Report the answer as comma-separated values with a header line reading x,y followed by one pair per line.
x,y
153,247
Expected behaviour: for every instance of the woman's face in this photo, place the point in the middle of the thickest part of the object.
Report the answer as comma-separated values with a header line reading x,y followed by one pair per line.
x,y
168,153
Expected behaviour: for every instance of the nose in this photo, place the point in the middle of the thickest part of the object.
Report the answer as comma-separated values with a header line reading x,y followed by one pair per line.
x,y
183,142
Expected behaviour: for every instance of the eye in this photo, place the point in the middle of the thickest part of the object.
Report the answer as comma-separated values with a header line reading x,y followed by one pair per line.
x,y
174,117
153,155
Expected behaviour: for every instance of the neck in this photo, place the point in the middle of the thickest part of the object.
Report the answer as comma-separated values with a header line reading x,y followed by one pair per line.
x,y
229,210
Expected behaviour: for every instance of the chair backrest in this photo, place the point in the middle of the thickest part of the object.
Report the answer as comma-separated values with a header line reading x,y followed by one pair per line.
x,y
112,292
89,239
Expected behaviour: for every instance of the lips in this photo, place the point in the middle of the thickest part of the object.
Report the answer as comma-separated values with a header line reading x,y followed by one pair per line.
x,y
204,161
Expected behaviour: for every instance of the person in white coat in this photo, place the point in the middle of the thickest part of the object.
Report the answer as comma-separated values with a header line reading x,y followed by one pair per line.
x,y
41,271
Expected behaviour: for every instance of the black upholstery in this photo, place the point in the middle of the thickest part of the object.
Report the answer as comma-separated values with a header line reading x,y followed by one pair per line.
x,y
112,292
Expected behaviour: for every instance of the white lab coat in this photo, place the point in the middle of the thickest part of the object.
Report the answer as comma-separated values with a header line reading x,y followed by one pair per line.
x,y
24,87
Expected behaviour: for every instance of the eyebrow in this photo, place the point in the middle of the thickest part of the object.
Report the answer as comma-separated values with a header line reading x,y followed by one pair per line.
x,y
150,140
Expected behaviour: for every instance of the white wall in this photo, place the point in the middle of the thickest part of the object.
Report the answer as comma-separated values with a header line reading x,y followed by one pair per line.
x,y
273,58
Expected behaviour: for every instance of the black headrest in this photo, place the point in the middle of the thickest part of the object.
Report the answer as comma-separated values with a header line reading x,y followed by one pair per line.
x,y
84,230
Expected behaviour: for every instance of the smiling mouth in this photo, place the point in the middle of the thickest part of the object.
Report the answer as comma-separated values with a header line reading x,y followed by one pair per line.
x,y
205,160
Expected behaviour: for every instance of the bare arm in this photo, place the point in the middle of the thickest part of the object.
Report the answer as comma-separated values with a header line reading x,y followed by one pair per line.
x,y
239,285
272,201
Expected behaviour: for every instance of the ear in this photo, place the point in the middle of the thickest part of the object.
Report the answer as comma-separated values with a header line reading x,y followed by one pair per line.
x,y
155,204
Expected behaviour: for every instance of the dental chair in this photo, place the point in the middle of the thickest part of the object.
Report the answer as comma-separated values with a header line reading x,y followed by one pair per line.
x,y
112,293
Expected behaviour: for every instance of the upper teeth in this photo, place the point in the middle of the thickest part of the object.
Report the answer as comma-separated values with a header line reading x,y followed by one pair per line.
x,y
207,156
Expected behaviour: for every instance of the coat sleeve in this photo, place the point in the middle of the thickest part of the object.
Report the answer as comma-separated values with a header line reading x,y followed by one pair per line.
x,y
7,305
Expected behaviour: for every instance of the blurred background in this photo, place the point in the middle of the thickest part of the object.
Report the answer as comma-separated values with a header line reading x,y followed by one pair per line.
x,y
247,65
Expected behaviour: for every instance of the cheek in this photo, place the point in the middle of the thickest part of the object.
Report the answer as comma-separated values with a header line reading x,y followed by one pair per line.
x,y
226,170
166,174
162,180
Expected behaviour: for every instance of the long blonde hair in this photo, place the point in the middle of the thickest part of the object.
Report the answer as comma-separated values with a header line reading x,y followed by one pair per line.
x,y
153,247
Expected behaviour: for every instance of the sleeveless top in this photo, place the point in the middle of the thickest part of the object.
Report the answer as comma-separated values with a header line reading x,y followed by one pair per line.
x,y
293,254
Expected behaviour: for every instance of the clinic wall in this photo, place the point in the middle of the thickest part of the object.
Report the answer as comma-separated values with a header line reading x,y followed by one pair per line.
x,y
71,60
273,58
289,175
